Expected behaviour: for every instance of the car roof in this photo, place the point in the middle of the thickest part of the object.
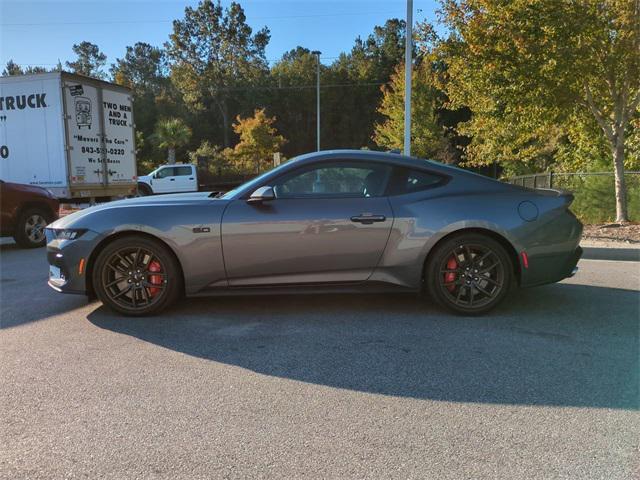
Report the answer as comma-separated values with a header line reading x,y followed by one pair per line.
x,y
365,155
387,157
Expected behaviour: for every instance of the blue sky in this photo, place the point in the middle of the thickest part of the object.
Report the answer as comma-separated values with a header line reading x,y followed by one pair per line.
x,y
40,33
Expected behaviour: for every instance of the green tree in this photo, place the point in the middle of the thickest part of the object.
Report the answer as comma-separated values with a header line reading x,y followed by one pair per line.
x,y
427,136
172,133
143,69
259,140
525,66
293,99
350,110
12,68
89,60
36,69
215,57
215,159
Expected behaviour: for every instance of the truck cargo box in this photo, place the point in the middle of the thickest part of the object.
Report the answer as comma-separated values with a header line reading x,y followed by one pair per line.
x,y
71,134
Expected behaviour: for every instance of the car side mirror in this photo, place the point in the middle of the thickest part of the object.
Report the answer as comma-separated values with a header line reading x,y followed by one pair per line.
x,y
263,194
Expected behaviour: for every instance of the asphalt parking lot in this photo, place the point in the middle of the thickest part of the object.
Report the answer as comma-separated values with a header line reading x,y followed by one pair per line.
x,y
329,386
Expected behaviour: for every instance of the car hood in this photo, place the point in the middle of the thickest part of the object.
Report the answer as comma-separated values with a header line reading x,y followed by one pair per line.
x,y
24,188
177,199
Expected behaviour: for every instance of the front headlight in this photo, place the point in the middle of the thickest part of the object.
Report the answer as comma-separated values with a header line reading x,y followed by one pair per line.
x,y
64,233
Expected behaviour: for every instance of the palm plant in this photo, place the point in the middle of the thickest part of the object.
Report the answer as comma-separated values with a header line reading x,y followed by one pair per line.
x,y
172,133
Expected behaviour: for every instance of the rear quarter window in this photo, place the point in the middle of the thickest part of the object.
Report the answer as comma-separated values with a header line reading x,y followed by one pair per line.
x,y
409,181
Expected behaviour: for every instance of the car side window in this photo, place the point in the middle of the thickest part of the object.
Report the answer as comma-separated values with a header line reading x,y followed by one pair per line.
x,y
335,180
166,172
183,171
407,180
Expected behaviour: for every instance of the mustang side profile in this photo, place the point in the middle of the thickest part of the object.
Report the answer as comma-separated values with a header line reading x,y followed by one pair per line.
x,y
332,221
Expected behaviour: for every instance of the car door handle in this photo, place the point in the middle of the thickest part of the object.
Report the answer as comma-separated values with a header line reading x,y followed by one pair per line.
x,y
172,179
368,219
190,178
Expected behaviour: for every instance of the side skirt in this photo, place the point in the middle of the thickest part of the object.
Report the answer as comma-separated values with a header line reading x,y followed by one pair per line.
x,y
365,287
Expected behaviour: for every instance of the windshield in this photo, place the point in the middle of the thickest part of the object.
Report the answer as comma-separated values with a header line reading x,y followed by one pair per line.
x,y
254,182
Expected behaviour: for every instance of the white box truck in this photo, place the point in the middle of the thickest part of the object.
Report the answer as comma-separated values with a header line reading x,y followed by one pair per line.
x,y
71,134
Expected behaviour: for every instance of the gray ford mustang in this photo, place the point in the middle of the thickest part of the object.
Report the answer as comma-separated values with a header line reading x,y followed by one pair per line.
x,y
333,221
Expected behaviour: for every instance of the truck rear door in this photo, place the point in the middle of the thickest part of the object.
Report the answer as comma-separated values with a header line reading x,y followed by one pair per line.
x,y
119,137
83,135
186,180
100,136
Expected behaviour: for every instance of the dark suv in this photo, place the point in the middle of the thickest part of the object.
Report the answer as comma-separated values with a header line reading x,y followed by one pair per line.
x,y
24,212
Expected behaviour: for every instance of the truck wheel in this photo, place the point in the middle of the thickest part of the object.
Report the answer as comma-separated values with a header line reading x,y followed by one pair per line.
x,y
30,228
144,190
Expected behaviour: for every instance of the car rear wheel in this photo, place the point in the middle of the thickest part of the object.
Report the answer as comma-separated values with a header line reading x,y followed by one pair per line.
x,y
30,228
469,274
137,276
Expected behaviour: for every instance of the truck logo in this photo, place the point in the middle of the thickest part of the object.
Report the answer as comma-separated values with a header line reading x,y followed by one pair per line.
x,y
76,90
83,112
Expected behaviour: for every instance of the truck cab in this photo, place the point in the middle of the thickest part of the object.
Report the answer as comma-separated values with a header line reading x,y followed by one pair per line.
x,y
169,179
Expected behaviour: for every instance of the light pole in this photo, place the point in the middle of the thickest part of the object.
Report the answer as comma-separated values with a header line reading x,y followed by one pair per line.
x,y
407,78
317,53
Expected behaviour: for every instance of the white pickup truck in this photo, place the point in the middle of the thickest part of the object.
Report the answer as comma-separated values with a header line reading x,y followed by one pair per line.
x,y
169,179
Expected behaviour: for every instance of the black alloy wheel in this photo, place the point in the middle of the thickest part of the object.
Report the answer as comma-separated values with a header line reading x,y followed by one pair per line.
x,y
469,274
137,276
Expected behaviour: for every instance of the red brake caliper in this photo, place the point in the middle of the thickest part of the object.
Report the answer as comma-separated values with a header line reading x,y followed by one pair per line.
x,y
155,279
449,277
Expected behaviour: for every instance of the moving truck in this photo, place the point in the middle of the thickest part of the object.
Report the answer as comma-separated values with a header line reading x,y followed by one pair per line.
x,y
70,134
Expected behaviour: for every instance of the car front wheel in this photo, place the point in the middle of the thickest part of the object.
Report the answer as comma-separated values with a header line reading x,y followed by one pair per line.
x,y
469,274
137,276
144,190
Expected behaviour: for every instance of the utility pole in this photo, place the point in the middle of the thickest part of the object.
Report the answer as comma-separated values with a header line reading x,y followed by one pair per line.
x,y
317,53
408,41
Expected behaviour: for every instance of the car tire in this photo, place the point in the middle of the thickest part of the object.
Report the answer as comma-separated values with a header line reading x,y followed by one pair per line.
x,y
30,228
469,274
125,281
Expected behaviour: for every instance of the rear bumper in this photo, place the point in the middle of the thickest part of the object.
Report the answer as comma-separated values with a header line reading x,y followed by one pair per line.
x,y
551,268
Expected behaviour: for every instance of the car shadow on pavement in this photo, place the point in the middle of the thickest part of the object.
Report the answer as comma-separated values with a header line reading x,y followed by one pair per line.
x,y
24,294
561,344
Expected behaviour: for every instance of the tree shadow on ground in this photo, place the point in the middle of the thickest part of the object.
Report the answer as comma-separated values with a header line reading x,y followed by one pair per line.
x,y
563,344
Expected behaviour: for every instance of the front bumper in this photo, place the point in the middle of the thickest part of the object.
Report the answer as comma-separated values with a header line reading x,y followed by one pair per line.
x,y
68,261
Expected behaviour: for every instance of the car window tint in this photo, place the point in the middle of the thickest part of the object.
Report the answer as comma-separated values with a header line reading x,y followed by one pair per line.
x,y
166,172
183,171
417,180
334,180
406,180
